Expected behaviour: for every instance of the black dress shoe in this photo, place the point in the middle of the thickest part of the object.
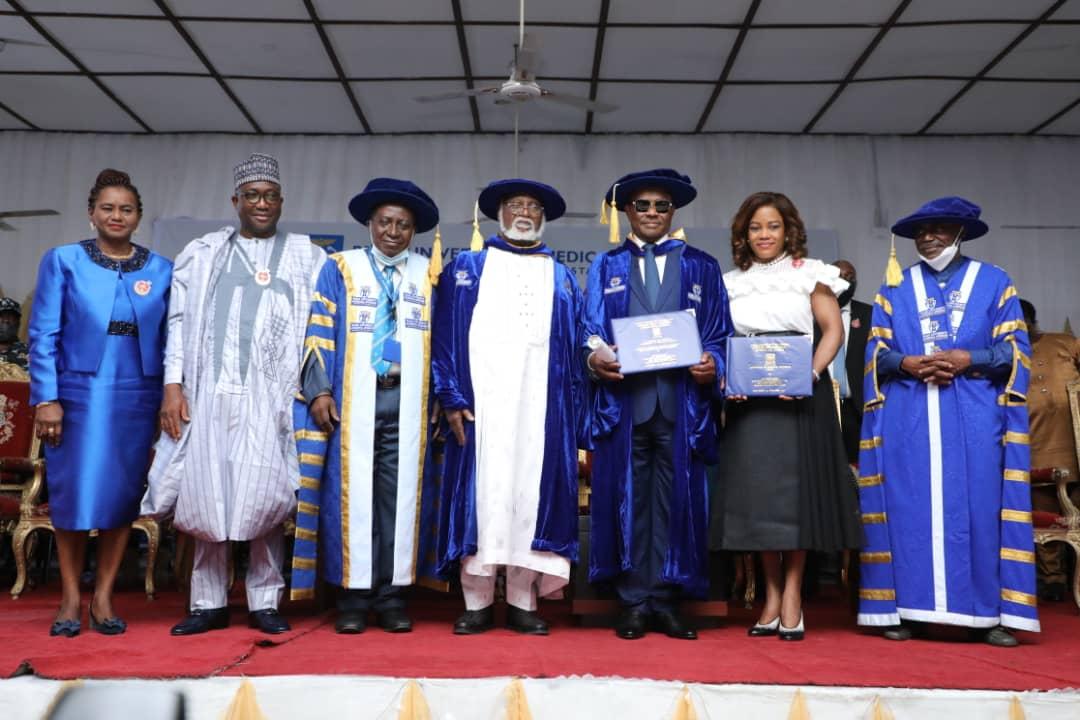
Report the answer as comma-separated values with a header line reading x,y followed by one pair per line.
x,y
526,622
269,621
351,622
394,620
999,637
669,623
199,621
474,622
632,624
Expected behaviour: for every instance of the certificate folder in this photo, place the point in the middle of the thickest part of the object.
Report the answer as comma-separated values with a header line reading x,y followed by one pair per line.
x,y
770,365
647,343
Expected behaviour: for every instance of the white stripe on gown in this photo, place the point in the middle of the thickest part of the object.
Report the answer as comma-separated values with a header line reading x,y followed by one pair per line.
x,y
508,354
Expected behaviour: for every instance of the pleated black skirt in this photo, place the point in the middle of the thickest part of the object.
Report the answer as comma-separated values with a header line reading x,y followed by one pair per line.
x,y
784,480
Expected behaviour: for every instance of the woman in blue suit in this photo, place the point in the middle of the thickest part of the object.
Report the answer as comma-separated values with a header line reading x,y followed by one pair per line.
x,y
97,340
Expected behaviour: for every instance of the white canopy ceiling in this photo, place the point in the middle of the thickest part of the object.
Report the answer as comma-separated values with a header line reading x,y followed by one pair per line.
x,y
680,66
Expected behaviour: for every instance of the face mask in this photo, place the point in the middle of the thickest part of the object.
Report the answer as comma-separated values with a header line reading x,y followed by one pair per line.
x,y
945,257
845,297
386,259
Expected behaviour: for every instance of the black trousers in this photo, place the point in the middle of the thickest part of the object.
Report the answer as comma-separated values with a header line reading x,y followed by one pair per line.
x,y
382,595
652,474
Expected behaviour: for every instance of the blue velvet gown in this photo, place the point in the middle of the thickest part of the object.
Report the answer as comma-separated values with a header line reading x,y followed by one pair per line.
x,y
97,341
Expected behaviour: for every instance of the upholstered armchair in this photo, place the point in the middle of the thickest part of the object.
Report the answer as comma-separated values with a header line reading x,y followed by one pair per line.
x,y
22,471
22,480
1063,528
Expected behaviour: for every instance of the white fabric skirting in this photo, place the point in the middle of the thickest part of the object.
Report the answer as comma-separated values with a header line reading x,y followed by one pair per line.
x,y
322,696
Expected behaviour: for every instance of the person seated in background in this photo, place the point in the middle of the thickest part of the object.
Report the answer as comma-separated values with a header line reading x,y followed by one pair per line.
x,y
12,350
1055,362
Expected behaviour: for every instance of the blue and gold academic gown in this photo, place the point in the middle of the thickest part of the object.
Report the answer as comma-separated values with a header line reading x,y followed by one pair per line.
x,y
557,511
607,296
334,517
944,471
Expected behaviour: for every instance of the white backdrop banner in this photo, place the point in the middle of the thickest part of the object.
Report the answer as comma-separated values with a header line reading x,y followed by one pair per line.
x,y
855,185
574,245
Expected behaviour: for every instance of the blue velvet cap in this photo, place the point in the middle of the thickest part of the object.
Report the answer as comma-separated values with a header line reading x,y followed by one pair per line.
x,y
549,197
670,181
944,210
390,191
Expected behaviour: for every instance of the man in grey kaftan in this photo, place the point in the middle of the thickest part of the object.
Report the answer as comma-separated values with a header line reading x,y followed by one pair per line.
x,y
226,464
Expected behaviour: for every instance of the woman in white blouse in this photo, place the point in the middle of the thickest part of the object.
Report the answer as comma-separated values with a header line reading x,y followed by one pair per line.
x,y
785,486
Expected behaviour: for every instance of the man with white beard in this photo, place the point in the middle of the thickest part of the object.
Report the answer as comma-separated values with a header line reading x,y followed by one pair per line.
x,y
505,369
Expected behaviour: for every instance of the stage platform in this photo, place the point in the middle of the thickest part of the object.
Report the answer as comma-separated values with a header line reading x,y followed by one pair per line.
x,y
836,660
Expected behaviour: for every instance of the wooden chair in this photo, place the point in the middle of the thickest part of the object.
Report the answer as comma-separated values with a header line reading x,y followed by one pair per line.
x,y
22,472
1061,529
1064,528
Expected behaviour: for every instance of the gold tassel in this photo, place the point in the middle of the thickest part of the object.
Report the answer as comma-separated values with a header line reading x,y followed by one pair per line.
x,y
517,706
879,711
1016,710
684,708
413,703
243,705
679,234
477,243
893,274
609,215
798,709
434,267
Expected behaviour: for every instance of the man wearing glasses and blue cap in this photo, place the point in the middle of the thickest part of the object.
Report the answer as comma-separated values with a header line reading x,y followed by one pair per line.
x,y
653,431
506,372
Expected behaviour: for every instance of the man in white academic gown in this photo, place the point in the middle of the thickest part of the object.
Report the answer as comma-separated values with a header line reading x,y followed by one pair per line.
x,y
362,424
226,464
507,374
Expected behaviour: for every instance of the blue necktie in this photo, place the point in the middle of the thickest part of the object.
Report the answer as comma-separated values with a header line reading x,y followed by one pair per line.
x,y
652,274
385,324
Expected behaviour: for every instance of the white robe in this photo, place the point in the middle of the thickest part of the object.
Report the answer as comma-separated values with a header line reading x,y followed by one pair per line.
x,y
233,473
508,355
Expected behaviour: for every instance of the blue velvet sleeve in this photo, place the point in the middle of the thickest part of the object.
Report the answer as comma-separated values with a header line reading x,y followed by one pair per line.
x,y
46,322
444,366
888,362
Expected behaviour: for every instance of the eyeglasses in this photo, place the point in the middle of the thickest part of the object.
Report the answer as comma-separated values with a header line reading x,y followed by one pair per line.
x,y
532,208
252,197
662,206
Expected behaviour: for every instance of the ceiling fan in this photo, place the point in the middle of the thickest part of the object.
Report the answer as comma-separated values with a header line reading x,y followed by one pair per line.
x,y
21,214
522,87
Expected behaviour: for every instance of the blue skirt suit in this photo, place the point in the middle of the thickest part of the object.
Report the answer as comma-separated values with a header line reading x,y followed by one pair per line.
x,y
97,342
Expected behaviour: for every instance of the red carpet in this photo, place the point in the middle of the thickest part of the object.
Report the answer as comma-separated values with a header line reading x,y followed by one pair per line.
x,y
834,652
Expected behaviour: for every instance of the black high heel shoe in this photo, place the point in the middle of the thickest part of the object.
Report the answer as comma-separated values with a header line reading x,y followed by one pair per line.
x,y
108,626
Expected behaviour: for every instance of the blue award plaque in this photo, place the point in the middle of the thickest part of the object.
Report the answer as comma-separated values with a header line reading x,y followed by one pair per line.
x,y
657,342
770,365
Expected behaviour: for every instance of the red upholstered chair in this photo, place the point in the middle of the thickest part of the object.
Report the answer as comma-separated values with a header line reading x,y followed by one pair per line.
x,y
22,479
22,471
1063,528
